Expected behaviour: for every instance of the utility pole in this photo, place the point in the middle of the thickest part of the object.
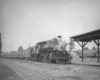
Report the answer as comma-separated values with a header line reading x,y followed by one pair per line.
x,y
29,50
10,48
10,51
29,45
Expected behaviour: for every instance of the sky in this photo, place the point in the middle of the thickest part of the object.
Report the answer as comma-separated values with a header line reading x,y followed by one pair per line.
x,y
24,22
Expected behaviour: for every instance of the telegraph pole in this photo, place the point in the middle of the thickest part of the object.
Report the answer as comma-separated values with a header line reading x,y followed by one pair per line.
x,y
29,50
10,51
10,48
29,45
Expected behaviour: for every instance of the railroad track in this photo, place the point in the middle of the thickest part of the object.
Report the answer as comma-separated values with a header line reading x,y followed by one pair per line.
x,y
27,73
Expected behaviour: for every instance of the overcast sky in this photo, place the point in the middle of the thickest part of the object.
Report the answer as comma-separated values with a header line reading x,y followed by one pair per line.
x,y
30,21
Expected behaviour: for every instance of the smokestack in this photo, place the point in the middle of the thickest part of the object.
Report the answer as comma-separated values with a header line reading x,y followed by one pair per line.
x,y
59,38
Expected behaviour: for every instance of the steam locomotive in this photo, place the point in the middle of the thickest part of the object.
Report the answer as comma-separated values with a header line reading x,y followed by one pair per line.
x,y
51,51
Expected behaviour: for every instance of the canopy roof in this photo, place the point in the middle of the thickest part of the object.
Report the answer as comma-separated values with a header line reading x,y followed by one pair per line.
x,y
93,35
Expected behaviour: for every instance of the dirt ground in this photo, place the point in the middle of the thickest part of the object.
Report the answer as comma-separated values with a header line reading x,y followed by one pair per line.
x,y
88,70
6,73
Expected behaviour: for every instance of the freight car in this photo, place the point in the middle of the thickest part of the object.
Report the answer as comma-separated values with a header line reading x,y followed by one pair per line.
x,y
25,54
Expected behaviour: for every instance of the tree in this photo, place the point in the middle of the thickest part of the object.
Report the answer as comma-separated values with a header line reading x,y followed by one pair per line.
x,y
20,49
71,44
93,48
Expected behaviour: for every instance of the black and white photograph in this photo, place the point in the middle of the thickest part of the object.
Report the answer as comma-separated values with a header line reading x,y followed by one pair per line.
x,y
49,39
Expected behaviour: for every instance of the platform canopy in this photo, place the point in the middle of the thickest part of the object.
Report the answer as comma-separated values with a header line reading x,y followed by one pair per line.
x,y
88,37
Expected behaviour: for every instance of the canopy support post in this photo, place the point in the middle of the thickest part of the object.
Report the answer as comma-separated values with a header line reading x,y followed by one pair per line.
x,y
82,51
0,45
82,46
98,44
